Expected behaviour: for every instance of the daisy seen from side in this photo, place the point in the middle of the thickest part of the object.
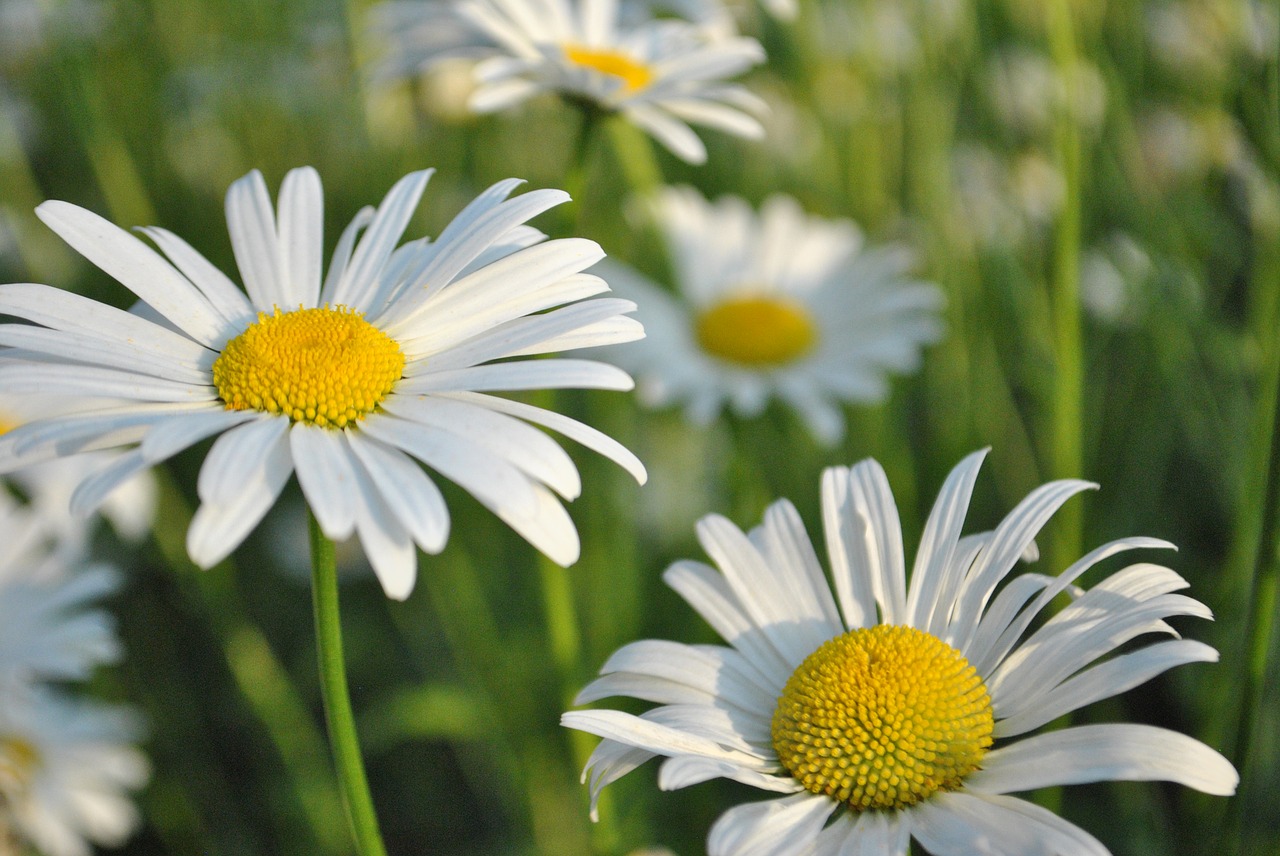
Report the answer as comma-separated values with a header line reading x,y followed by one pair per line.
x,y
660,74
880,711
352,379
775,304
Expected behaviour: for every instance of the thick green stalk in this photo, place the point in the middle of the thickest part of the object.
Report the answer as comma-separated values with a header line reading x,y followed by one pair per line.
x,y
337,700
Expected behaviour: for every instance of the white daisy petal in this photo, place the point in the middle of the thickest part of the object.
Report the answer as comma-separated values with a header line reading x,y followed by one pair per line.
x,y
91,351
301,236
388,544
548,527
521,445
779,827
229,301
530,374
342,253
255,242
1109,678
217,528
841,526
359,285
93,491
87,381
410,494
882,537
650,736
685,770
172,435
326,476
933,578
238,456
138,268
961,824
1096,753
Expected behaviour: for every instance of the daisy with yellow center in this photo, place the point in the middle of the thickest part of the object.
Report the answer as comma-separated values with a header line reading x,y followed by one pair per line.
x,y
882,711
663,75
352,379
775,304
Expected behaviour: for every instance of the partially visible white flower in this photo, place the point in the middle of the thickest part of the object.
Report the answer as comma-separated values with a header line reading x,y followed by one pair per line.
x,y
66,771
776,304
48,628
877,709
349,378
48,485
661,74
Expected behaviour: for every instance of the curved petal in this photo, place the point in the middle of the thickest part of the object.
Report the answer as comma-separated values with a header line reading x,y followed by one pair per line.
x,y
327,478
962,824
1099,753
780,827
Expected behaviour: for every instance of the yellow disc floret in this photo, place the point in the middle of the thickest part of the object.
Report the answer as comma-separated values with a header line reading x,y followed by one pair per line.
x,y
633,74
882,718
19,761
756,331
326,366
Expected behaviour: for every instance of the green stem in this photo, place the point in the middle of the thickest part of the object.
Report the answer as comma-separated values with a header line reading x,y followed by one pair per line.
x,y
1066,454
337,700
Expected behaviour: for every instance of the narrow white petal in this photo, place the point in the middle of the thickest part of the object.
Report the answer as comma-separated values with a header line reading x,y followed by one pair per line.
x,y
178,432
1010,539
964,824
527,374
672,133
138,267
842,527
781,827
650,736
328,481
91,493
217,528
787,547
252,226
685,770
505,437
388,545
99,352
1100,753
874,501
548,528
62,310
31,378
497,484
1109,678
934,575
223,294
593,439
342,253
301,238
795,628
360,284
239,457
409,493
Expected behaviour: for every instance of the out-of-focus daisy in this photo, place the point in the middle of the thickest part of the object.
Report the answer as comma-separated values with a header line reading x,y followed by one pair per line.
x,y
779,303
66,770
47,629
884,711
345,381
48,486
661,74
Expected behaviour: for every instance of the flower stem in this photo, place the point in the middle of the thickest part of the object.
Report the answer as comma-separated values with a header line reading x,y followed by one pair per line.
x,y
337,700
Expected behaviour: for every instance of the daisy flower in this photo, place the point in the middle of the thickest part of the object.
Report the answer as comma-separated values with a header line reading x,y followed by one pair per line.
x,y
47,629
883,711
349,381
661,74
775,304
65,772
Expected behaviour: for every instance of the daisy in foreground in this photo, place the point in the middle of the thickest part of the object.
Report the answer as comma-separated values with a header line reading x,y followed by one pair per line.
x,y
874,710
349,381
779,303
661,74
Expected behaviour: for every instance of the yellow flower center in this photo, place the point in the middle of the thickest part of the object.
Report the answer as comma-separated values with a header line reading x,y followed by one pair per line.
x,y
883,718
756,331
19,760
325,366
634,75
